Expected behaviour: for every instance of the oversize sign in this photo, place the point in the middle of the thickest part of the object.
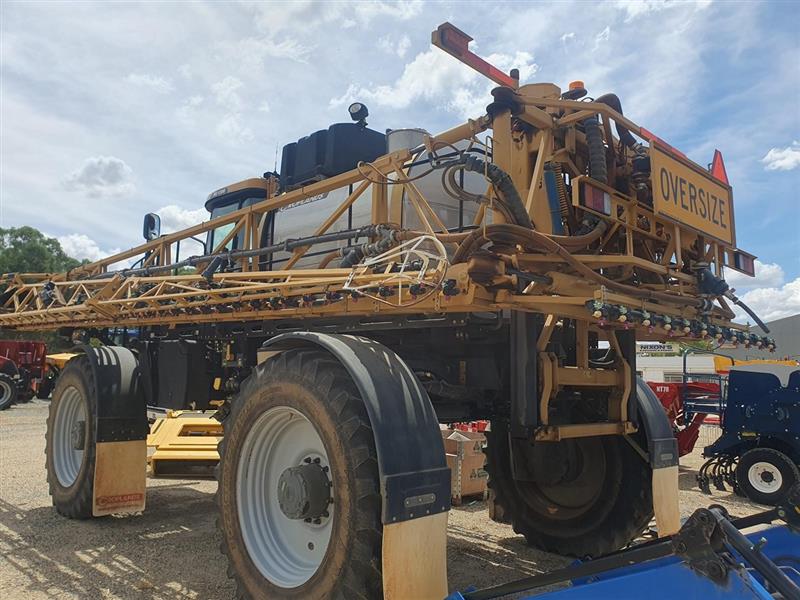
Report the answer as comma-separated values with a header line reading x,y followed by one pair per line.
x,y
691,197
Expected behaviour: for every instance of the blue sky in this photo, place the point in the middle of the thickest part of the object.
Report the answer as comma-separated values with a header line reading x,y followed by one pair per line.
x,y
111,110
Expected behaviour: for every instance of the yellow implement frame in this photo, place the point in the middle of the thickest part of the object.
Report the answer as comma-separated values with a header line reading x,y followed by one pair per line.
x,y
183,443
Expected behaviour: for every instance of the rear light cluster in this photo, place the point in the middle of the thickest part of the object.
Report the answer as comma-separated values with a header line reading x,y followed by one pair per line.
x,y
744,262
595,199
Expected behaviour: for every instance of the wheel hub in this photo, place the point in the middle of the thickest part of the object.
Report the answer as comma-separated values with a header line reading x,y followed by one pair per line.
x,y
765,477
304,491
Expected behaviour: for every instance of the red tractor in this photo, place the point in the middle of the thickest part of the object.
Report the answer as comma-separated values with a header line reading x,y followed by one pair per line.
x,y
24,372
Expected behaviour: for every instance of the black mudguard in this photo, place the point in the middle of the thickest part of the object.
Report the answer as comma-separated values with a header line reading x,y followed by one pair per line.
x,y
662,446
121,408
415,479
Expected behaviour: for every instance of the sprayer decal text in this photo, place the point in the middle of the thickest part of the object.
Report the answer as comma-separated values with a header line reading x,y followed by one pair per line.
x,y
688,194
693,198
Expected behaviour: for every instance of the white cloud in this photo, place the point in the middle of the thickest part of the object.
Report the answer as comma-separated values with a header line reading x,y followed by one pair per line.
x,y
264,107
154,82
434,76
251,53
101,176
771,303
187,112
404,10
174,218
568,37
226,93
638,8
766,293
768,275
311,16
231,129
81,246
185,71
399,48
783,159
601,37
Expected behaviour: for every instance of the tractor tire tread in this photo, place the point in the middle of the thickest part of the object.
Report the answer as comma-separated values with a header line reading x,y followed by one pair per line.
x,y
77,504
12,396
612,534
361,575
777,458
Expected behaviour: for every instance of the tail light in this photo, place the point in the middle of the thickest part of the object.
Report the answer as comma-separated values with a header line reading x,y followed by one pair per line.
x,y
595,199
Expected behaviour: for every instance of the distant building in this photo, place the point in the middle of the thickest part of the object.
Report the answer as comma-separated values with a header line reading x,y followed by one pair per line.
x,y
786,332
664,363
669,369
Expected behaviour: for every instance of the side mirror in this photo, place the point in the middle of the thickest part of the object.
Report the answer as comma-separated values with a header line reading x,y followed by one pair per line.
x,y
151,228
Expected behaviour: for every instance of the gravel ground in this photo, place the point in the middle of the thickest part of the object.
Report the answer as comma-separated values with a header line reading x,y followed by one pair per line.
x,y
172,550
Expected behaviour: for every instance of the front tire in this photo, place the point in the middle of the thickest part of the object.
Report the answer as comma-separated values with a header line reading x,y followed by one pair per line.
x,y
298,494
600,499
8,391
765,475
70,448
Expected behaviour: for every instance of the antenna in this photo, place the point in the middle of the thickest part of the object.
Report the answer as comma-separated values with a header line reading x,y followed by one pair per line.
x,y
275,165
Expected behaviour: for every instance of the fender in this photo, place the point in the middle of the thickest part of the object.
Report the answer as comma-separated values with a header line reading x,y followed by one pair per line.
x,y
662,446
415,479
121,409
120,431
663,455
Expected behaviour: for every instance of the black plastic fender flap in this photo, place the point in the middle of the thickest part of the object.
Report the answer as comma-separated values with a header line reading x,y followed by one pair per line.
x,y
121,408
415,479
661,442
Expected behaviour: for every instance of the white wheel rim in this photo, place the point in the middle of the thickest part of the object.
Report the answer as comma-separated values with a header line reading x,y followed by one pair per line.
x,y
286,551
66,459
765,477
5,391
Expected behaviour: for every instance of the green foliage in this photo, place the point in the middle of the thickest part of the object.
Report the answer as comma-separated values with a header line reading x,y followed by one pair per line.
x,y
26,250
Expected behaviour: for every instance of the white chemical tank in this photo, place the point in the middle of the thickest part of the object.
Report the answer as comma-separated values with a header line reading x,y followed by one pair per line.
x,y
404,139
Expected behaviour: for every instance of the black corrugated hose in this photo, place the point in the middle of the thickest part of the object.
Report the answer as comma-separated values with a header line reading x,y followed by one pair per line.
x,y
597,150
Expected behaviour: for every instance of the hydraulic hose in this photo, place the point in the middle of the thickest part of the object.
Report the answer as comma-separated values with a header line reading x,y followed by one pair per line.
x,y
598,169
613,101
748,310
329,258
513,234
576,242
503,184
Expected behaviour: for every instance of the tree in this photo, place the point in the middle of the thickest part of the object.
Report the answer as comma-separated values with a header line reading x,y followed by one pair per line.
x,y
27,250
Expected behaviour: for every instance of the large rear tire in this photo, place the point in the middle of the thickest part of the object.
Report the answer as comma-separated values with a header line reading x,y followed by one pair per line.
x,y
70,447
299,496
8,391
600,499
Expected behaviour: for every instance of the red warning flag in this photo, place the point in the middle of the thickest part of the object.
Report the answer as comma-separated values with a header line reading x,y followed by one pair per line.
x,y
718,168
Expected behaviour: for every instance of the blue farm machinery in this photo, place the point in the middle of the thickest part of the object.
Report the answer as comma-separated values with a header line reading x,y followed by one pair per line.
x,y
758,453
